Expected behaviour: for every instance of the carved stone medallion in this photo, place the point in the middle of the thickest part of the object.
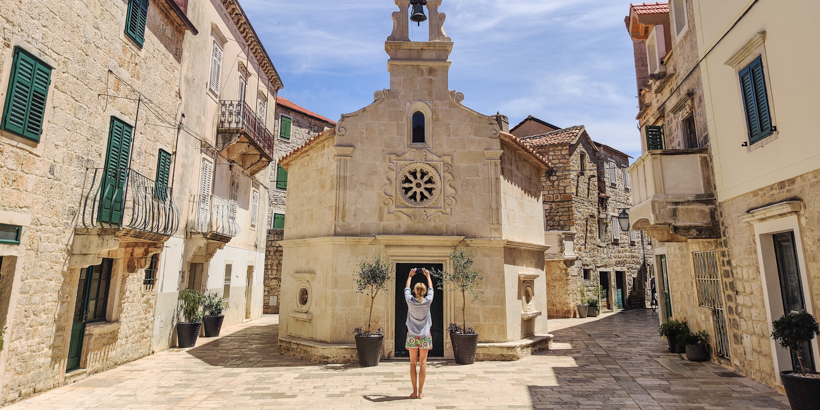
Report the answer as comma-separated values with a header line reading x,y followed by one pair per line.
x,y
419,185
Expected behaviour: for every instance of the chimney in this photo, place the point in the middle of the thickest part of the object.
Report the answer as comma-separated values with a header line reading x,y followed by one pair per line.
x,y
502,121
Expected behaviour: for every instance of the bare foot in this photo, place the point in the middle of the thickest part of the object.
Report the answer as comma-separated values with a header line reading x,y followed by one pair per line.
x,y
413,396
421,396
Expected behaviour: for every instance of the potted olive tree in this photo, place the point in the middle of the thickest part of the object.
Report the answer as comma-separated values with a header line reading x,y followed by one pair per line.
x,y
697,346
214,305
372,278
466,280
583,308
673,330
793,332
191,311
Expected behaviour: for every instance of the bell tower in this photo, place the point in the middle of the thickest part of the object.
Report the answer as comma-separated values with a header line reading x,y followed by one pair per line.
x,y
419,69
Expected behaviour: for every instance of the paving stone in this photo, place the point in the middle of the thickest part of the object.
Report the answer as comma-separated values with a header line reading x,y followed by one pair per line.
x,y
244,370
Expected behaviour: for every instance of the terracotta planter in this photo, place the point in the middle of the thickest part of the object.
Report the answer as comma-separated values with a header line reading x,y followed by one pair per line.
x,y
464,347
697,353
583,311
213,325
803,392
369,349
187,334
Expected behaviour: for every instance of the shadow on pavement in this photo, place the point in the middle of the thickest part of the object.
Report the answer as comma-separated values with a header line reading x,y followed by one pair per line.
x,y
375,398
255,346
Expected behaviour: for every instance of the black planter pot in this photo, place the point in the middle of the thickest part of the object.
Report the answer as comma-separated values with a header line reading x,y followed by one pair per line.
x,y
464,347
369,349
803,392
187,334
697,353
673,344
593,311
213,325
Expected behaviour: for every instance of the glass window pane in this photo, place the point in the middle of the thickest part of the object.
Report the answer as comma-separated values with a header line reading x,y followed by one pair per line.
x,y
9,234
418,127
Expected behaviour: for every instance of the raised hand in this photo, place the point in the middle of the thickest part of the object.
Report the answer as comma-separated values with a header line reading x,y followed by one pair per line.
x,y
426,272
413,272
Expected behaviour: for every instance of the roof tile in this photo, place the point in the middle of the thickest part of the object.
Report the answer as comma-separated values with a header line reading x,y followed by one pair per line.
x,y
290,105
559,137
651,8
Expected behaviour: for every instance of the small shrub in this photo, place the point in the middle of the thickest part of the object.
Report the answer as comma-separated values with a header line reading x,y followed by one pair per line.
x,y
583,294
593,303
792,331
371,278
464,278
697,339
213,303
361,333
454,328
191,306
673,328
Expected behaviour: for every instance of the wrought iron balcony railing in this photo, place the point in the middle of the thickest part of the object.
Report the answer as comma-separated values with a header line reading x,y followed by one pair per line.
x,y
123,198
214,217
237,116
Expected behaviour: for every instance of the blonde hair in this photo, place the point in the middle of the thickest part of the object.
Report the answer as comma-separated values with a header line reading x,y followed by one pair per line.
x,y
420,290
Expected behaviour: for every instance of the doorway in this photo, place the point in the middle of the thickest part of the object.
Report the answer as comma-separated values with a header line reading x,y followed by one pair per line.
x,y
620,289
791,288
664,279
249,293
605,299
436,310
92,298
195,276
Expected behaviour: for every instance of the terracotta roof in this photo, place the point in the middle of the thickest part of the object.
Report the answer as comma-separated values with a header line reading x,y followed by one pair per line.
x,y
559,137
538,120
651,8
524,146
290,105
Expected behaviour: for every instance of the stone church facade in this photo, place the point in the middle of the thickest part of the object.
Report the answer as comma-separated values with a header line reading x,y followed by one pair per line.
x,y
584,193
295,125
411,177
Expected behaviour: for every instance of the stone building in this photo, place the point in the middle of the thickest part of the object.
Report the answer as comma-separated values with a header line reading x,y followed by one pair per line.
x,y
408,177
727,185
85,185
295,125
96,193
583,194
225,153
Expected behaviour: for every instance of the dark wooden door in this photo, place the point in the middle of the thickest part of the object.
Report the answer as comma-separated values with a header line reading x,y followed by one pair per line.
x,y
75,347
791,287
436,310
667,294
620,289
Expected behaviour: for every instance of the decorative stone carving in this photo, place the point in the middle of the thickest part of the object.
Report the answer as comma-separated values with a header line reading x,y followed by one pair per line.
x,y
378,98
419,185
401,29
527,295
436,22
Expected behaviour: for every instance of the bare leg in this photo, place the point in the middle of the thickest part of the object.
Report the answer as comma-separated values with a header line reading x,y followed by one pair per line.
x,y
422,370
414,354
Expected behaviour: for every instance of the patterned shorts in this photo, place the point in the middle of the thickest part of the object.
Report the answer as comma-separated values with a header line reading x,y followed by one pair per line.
x,y
419,342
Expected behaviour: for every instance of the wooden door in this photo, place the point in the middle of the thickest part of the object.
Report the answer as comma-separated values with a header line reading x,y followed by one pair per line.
x,y
436,310
667,295
75,347
791,288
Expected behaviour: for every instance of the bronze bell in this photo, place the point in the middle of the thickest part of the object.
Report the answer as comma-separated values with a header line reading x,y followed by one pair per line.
x,y
418,11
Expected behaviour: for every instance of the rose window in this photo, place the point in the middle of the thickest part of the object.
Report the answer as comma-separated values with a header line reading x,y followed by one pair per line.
x,y
420,184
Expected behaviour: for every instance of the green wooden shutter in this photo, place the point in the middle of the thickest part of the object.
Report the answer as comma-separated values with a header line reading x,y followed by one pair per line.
x,y
281,178
284,127
756,101
654,137
136,20
112,189
26,97
278,221
163,171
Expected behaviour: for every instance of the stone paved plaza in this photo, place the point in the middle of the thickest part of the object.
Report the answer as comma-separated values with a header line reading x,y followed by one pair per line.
x,y
612,362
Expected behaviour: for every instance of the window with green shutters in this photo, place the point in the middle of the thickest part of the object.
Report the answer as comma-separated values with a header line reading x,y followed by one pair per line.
x,y
284,127
10,234
756,101
163,171
278,221
281,178
117,161
654,137
25,107
136,19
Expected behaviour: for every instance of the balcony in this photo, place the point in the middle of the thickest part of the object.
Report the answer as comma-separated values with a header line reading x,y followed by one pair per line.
x,y
243,138
123,203
214,218
673,197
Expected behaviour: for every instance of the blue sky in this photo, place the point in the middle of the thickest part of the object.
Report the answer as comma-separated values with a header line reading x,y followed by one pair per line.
x,y
568,62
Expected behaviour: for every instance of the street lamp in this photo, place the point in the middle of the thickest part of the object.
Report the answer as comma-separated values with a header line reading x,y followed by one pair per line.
x,y
623,220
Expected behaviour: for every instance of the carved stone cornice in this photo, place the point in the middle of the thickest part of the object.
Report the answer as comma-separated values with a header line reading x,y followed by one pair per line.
x,y
240,20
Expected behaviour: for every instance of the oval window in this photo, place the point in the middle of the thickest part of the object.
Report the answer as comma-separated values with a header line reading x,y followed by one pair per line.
x,y
418,127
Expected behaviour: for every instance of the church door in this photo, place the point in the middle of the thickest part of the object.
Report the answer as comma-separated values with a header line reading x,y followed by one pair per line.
x,y
436,310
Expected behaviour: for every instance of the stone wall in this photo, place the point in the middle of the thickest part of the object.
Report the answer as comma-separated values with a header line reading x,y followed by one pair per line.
x,y
273,271
42,182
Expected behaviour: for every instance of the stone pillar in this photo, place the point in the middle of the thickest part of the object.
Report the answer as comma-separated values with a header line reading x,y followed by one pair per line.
x,y
401,21
342,157
436,22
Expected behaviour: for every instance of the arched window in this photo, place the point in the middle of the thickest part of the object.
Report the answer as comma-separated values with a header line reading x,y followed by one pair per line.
x,y
418,127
